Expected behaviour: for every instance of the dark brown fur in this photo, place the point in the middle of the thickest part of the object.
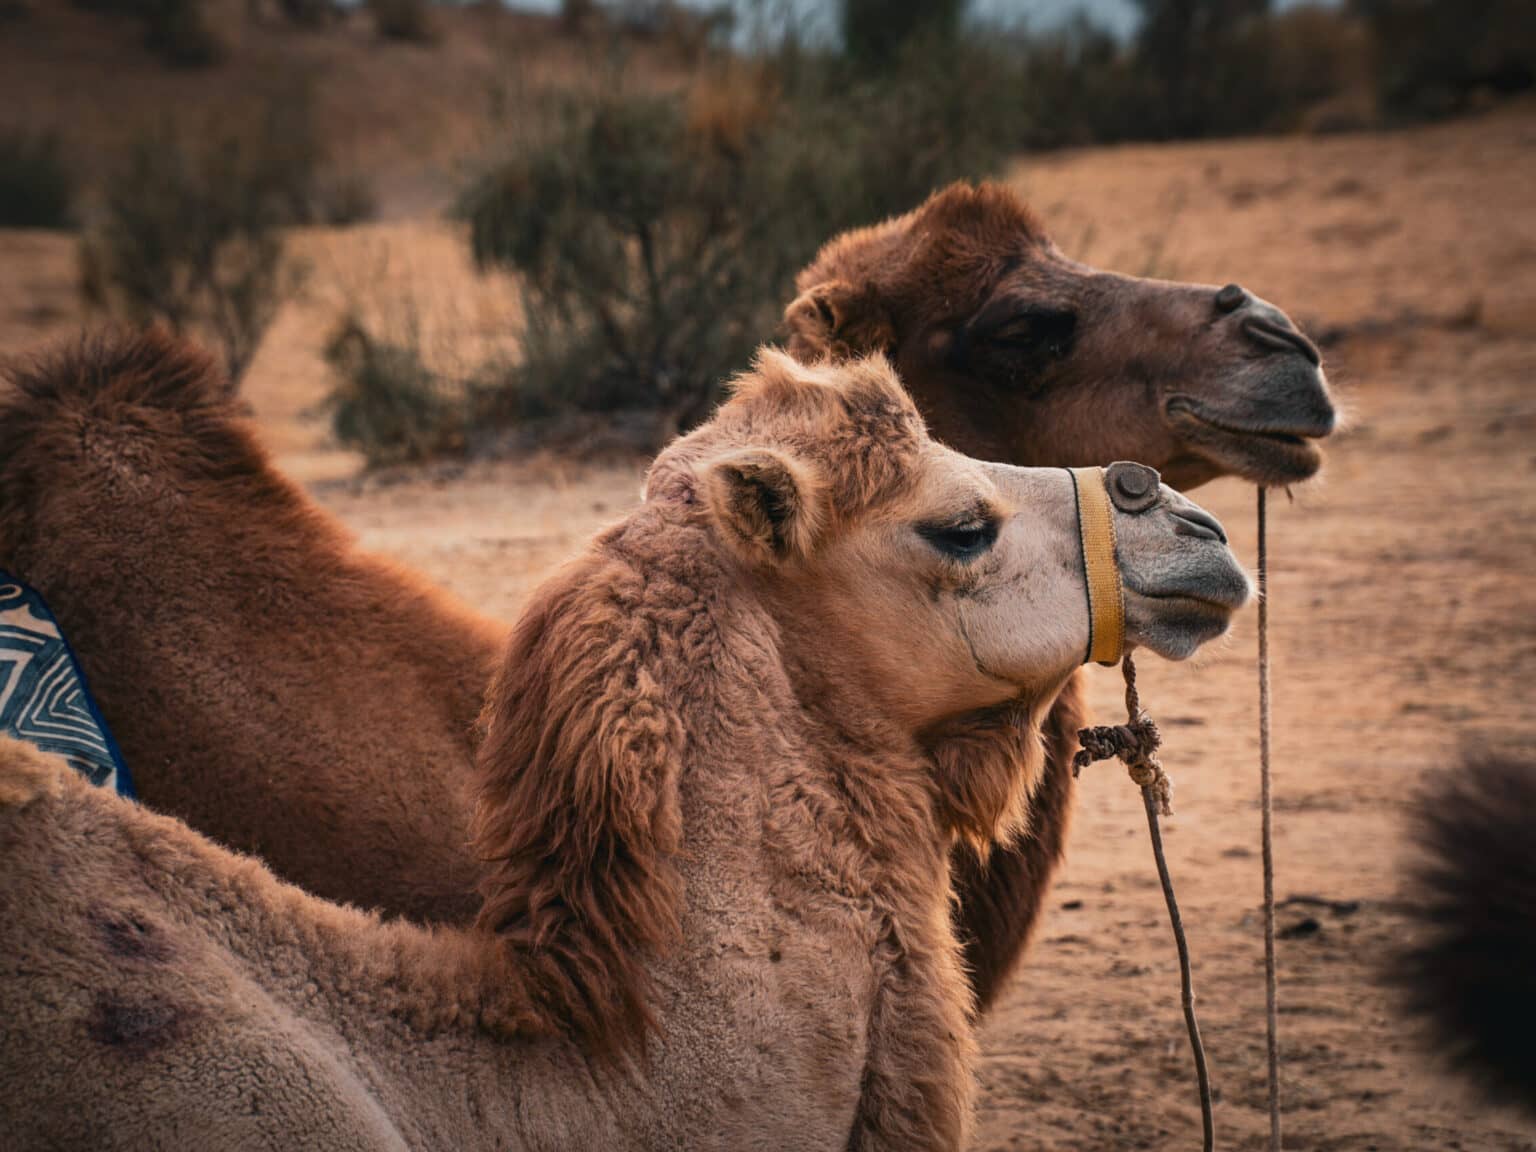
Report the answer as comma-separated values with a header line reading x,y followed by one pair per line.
x,y
1001,893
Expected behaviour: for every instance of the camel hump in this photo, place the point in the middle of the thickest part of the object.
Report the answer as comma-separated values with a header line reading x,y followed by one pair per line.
x,y
114,370
123,414
140,369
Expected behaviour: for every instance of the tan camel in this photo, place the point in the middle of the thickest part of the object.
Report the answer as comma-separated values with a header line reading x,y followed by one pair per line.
x,y
726,758
256,667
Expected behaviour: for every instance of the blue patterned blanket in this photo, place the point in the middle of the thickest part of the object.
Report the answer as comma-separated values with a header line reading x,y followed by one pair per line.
x,y
44,699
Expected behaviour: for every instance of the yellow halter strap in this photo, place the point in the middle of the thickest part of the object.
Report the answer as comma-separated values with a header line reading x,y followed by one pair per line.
x,y
1106,599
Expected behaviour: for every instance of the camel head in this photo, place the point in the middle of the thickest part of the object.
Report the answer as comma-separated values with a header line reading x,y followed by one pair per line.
x,y
937,583
811,579
1014,352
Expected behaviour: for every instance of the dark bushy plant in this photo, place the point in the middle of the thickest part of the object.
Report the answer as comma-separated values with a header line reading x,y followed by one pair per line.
x,y
649,255
36,185
309,13
656,237
190,234
879,34
176,30
1434,56
409,20
388,404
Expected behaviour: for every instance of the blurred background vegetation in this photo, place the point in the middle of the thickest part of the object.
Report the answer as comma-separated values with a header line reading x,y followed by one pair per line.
x,y
651,175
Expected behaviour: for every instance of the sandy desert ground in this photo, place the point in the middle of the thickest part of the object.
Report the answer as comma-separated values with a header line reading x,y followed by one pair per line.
x,y
1404,622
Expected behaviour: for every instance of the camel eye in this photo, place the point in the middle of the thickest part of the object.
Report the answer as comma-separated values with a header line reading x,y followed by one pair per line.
x,y
963,542
1039,332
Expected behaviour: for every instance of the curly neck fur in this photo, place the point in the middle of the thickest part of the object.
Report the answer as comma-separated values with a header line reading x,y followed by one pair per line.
x,y
650,676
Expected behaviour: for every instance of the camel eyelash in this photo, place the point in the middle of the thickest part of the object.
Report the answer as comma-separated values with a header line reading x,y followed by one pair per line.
x,y
962,541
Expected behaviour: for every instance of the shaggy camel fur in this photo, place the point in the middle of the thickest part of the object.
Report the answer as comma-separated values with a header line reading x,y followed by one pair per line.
x,y
1468,974
727,755
255,667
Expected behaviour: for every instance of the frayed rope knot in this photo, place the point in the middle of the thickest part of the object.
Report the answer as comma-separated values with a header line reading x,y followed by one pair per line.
x,y
1134,743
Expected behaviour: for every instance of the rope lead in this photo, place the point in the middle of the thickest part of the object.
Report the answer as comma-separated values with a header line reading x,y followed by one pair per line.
x,y
1271,980
1135,744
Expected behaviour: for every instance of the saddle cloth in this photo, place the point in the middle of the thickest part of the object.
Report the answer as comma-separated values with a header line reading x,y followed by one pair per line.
x,y
44,699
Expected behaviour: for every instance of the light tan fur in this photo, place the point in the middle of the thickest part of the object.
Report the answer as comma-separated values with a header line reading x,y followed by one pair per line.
x,y
717,912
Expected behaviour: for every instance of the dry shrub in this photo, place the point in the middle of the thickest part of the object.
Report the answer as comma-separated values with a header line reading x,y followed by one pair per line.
x,y
647,254
878,34
190,227
656,236
685,31
190,234
409,20
178,31
37,187
309,13
1439,57
388,403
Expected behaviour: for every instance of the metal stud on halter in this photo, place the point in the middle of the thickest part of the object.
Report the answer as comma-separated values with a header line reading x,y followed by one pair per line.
x,y
1132,488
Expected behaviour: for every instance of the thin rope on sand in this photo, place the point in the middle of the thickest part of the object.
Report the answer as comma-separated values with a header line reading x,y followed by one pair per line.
x,y
1271,981
1135,743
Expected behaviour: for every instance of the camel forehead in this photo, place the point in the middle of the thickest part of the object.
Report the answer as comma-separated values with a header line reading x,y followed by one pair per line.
x,y
823,402
853,421
952,233
947,485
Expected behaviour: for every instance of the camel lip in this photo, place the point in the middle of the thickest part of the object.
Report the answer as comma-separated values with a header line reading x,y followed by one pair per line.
x,y
1182,404
1270,453
1176,624
1222,602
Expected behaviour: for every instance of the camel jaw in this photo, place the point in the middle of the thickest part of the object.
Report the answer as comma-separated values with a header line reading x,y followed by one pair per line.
x,y
1269,450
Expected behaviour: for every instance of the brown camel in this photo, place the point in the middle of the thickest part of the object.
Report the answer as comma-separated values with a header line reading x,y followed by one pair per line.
x,y
727,756
255,666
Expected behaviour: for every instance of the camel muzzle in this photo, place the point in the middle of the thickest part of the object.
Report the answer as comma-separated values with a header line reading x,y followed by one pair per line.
x,y
1181,578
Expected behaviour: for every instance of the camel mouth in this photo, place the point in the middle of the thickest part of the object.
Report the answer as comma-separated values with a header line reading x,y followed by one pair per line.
x,y
1274,451
1217,588
1187,600
1177,624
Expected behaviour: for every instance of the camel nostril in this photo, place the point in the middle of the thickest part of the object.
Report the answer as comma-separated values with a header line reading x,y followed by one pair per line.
x,y
1198,522
1231,298
1280,338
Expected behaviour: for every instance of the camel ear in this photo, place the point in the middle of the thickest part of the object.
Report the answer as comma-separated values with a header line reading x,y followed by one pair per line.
x,y
834,320
768,505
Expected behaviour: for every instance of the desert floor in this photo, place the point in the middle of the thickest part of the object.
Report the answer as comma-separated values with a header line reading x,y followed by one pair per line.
x,y
1403,620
